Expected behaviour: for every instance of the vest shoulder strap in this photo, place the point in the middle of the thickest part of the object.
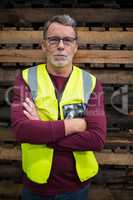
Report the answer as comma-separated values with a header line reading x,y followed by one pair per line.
x,y
89,82
30,76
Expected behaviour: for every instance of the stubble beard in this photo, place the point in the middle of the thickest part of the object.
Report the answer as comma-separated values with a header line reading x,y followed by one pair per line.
x,y
60,64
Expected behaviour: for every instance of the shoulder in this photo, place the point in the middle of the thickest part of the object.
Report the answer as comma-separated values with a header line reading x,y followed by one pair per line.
x,y
98,86
19,81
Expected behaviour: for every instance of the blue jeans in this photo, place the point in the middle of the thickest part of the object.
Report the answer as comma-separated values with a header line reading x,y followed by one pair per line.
x,y
81,194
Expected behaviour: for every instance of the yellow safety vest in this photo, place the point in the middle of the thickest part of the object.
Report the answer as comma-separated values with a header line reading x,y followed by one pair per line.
x,y
37,159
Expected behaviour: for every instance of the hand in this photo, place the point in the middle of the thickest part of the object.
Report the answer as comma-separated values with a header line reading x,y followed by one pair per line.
x,y
30,110
75,125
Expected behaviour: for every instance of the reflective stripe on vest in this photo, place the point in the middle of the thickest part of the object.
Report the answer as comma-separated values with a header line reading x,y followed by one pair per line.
x,y
32,80
37,159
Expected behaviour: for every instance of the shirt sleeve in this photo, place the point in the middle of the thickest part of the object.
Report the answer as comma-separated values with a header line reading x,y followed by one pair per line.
x,y
94,137
31,131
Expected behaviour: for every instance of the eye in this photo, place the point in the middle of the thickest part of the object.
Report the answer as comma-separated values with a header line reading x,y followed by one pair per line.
x,y
53,40
68,40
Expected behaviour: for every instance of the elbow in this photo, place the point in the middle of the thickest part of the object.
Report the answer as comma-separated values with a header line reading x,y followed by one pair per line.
x,y
100,142
100,145
101,137
17,132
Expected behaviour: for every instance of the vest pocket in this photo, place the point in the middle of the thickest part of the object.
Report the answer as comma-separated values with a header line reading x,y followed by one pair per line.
x,y
86,164
76,110
36,162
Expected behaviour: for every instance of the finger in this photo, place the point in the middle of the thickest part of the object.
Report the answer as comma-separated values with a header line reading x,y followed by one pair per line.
x,y
27,107
30,102
27,114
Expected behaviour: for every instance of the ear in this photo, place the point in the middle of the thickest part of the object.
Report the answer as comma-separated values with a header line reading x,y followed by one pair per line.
x,y
43,46
76,48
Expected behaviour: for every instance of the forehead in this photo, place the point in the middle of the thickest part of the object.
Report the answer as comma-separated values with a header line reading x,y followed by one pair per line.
x,y
57,29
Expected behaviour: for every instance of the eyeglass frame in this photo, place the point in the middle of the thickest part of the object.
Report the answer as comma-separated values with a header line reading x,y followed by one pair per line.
x,y
72,39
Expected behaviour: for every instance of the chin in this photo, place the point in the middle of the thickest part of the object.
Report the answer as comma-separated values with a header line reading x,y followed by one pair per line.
x,y
59,64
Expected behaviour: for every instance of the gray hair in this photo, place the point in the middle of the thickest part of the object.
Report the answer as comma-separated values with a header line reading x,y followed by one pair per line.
x,y
65,20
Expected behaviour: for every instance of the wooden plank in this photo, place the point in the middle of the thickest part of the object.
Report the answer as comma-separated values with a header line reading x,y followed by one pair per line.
x,y
10,171
4,114
85,36
115,158
119,120
99,193
106,37
103,158
122,193
4,83
8,73
105,192
82,56
20,37
12,193
6,134
111,76
2,94
119,141
96,15
10,153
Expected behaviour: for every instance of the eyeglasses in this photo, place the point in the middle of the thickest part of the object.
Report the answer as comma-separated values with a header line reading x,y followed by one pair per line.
x,y
54,40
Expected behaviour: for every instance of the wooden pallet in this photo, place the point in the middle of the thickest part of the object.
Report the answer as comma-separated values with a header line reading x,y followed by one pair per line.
x,y
106,50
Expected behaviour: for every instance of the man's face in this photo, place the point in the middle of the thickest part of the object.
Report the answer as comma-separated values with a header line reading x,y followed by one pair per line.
x,y
60,45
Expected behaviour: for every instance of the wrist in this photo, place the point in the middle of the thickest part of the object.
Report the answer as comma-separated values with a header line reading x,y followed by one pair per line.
x,y
75,125
69,126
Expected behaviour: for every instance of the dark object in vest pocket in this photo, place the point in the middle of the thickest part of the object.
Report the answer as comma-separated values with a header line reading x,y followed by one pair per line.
x,y
71,111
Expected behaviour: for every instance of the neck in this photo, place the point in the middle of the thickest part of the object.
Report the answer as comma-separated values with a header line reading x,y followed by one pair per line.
x,y
61,71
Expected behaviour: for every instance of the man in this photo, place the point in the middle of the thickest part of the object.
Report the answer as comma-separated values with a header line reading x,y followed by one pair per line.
x,y
58,117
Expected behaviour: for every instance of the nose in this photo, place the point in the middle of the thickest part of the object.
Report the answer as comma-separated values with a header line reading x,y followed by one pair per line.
x,y
61,44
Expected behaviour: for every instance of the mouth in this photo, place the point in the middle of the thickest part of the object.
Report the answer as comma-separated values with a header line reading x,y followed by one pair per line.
x,y
60,55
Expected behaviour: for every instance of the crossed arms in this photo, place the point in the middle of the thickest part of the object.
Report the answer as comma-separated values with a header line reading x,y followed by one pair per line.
x,y
69,134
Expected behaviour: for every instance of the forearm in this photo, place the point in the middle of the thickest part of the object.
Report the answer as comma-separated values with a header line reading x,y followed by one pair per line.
x,y
43,132
91,139
37,132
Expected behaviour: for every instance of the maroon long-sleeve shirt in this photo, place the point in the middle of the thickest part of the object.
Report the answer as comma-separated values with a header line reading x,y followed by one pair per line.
x,y
63,176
